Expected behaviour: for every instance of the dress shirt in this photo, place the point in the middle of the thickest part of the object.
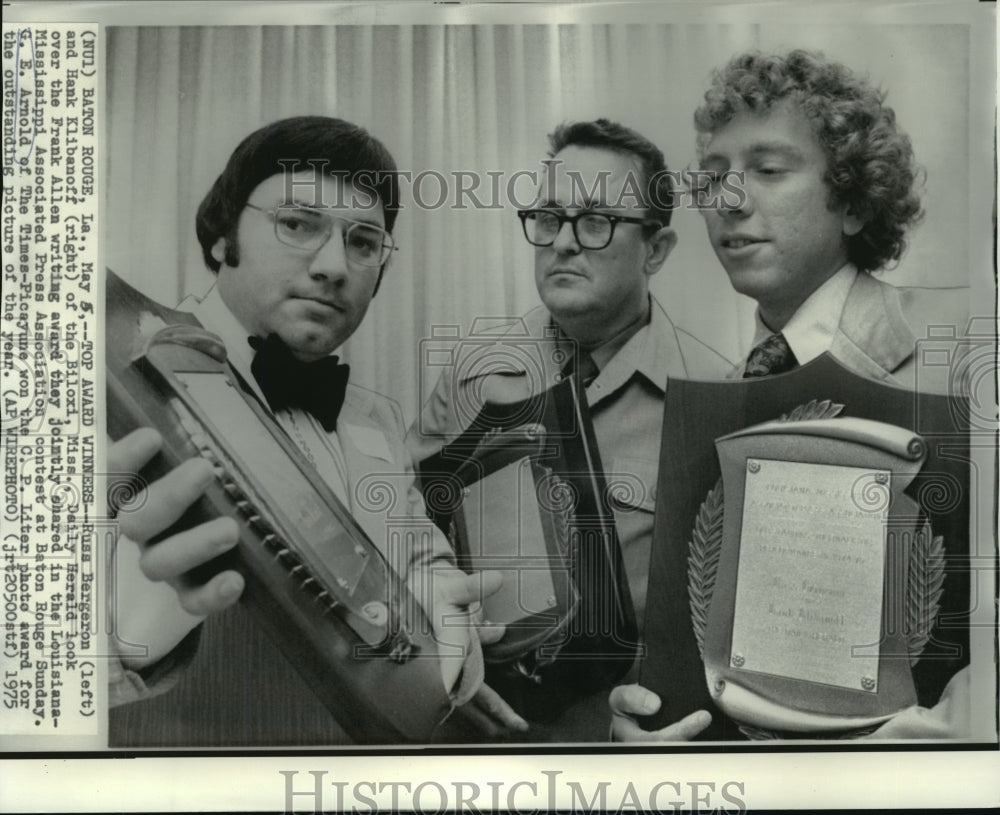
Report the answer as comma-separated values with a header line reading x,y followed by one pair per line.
x,y
626,408
372,431
812,329
321,448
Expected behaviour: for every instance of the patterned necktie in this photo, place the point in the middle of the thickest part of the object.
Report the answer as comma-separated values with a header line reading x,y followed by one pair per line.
x,y
315,387
772,356
582,364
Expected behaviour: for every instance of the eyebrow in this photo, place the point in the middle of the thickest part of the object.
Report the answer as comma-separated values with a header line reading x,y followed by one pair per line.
x,y
758,149
323,210
585,205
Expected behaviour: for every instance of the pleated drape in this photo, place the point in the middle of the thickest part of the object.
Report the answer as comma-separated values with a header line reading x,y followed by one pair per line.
x,y
479,100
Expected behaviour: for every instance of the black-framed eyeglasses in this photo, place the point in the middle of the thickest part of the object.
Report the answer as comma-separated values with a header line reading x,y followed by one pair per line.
x,y
592,230
309,229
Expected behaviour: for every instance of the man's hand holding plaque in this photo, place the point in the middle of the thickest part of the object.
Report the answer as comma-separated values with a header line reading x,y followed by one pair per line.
x,y
794,626
158,605
628,702
814,538
162,609
948,719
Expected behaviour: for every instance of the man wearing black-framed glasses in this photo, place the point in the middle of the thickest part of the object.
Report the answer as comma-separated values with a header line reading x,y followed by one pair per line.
x,y
592,230
600,226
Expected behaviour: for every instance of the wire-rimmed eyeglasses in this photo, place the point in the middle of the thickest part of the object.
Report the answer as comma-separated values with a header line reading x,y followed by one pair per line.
x,y
309,229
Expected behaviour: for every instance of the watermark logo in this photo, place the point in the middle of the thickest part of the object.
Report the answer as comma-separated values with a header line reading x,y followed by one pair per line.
x,y
315,791
465,189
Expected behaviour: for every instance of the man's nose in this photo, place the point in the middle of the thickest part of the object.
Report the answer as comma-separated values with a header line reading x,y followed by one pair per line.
x,y
330,262
565,240
735,200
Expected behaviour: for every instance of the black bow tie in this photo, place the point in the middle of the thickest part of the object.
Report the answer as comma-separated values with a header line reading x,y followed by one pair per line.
x,y
316,387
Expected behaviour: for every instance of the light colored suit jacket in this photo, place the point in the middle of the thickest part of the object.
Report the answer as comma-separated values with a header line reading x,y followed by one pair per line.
x,y
485,370
910,337
626,408
229,685
380,473
884,328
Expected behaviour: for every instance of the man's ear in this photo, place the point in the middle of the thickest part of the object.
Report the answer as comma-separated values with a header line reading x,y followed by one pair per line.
x,y
661,244
219,251
852,223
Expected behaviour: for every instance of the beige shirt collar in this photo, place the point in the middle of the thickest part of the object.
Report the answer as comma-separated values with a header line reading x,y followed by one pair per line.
x,y
812,328
651,351
215,315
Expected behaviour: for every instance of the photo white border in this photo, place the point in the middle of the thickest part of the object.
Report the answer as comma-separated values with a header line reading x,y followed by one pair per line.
x,y
795,779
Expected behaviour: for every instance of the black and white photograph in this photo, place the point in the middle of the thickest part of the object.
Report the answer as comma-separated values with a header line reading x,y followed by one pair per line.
x,y
502,406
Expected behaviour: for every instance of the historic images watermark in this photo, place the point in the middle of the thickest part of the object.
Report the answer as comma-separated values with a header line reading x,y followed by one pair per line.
x,y
696,189
315,792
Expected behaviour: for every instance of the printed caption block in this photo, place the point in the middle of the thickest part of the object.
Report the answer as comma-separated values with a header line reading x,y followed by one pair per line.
x,y
51,559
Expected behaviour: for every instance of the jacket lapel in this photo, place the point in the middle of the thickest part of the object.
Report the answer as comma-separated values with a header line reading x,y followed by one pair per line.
x,y
367,452
658,357
873,338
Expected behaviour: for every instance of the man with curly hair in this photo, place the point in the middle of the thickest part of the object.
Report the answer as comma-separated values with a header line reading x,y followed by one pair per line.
x,y
828,191
826,184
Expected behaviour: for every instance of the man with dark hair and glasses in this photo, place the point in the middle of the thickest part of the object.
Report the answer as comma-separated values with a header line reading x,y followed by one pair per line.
x,y
297,229
601,229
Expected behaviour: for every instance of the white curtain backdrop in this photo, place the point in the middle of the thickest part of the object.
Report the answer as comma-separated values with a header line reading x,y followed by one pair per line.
x,y
482,99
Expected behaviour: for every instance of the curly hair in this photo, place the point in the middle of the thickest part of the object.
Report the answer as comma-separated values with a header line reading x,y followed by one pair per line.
x,y
870,165
338,147
607,135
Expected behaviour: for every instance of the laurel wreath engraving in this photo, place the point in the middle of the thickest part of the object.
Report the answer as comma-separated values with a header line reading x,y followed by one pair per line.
x,y
703,561
816,409
924,583
759,734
